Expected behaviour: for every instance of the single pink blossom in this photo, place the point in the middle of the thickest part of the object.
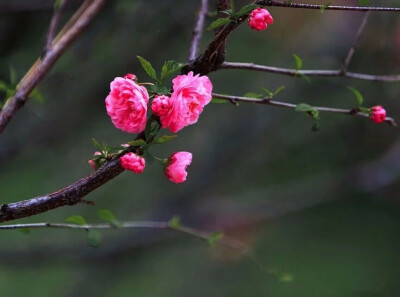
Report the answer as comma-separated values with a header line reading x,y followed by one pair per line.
x,y
377,114
127,105
191,93
176,168
133,162
161,105
259,19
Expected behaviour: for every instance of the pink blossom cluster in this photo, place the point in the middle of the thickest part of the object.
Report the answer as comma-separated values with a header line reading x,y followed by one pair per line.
x,y
259,19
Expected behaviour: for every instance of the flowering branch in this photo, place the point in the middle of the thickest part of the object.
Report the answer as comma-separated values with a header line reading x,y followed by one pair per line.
x,y
198,30
325,7
81,20
269,101
301,73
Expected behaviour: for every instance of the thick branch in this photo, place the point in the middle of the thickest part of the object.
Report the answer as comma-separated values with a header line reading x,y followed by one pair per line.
x,y
269,101
330,7
300,73
53,26
198,30
41,68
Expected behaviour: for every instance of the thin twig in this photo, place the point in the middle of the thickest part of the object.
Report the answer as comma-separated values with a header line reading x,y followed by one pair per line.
x,y
301,73
269,101
53,27
43,66
329,7
350,53
198,30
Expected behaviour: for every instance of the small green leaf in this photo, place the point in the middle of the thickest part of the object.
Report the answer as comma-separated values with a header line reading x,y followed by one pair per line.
x,y
3,86
228,12
175,223
152,128
218,101
25,231
278,90
13,76
147,67
232,2
169,68
79,220
159,89
37,96
164,139
93,238
218,23
245,10
303,107
298,61
358,95
214,238
322,8
138,142
108,216
268,92
97,145
253,95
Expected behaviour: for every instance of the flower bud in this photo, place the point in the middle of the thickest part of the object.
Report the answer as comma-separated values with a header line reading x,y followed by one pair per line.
x,y
259,19
377,114
161,105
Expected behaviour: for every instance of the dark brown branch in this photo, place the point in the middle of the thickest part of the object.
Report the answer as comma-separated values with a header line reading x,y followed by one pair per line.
x,y
350,53
330,7
198,30
300,73
53,27
269,101
43,66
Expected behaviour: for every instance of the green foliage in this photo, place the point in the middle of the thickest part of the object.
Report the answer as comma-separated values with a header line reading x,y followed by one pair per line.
x,y
298,62
358,95
323,7
175,223
78,220
245,10
218,23
274,93
311,111
253,95
152,128
108,216
93,238
138,142
58,4
214,238
159,89
148,67
164,139
218,101
169,68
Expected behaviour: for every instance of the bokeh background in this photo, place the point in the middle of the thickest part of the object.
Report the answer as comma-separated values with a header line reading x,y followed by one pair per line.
x,y
319,210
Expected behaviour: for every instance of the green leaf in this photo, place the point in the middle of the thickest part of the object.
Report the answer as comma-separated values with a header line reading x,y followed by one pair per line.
x,y
147,67
58,4
138,142
268,92
253,95
108,216
37,96
298,61
175,223
322,8
228,12
278,90
218,23
218,101
232,2
245,10
303,107
358,95
93,238
214,238
169,68
97,145
3,86
79,220
25,231
164,139
152,128
159,89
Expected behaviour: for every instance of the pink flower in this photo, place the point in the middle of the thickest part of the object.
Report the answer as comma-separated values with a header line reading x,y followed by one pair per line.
x,y
161,105
130,76
127,105
176,168
133,162
92,162
190,95
377,114
259,19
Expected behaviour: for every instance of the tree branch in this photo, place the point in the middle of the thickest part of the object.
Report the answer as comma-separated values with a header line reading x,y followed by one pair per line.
x,y
53,27
198,30
269,101
43,66
329,7
300,73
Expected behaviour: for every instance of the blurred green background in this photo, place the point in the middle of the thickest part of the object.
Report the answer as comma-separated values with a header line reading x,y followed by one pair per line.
x,y
319,210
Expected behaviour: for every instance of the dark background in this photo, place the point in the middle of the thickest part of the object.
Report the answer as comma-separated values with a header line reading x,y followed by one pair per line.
x,y
319,210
